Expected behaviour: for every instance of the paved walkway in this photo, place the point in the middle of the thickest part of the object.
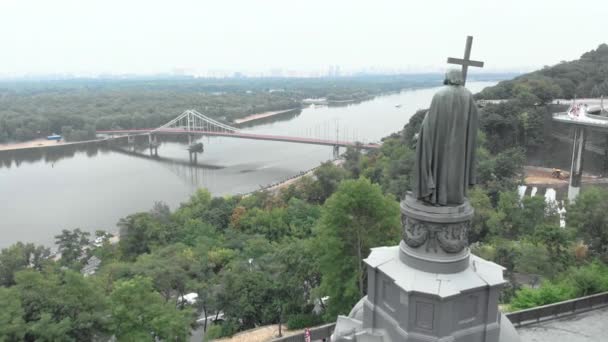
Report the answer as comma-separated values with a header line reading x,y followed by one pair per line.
x,y
590,326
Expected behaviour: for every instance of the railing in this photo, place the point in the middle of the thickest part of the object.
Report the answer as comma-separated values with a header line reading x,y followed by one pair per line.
x,y
520,318
556,310
316,334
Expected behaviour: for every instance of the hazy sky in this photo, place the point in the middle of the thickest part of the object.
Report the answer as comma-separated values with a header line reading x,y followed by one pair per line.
x,y
149,36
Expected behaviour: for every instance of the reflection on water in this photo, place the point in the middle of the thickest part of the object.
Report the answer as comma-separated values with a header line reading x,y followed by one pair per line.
x,y
92,186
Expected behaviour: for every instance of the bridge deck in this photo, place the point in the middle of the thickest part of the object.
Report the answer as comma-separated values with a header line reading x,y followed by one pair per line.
x,y
241,135
595,122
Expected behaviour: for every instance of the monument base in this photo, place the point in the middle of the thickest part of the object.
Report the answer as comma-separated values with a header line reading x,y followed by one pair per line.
x,y
429,287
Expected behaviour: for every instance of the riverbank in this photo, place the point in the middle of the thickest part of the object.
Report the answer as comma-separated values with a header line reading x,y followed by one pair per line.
x,y
30,144
274,187
258,116
42,143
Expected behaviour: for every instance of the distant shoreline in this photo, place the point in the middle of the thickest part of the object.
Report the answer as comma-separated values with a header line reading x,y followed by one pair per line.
x,y
263,115
42,143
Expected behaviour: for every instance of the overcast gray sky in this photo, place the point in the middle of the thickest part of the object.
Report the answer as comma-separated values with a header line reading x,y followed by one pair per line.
x,y
149,36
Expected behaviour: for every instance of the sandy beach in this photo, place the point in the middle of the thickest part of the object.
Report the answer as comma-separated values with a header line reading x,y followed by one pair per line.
x,y
261,115
30,144
40,143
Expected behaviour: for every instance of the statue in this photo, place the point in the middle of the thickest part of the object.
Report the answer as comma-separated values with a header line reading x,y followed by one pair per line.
x,y
445,151
430,287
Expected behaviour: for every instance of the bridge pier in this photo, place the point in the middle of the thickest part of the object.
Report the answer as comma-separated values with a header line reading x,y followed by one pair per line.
x,y
193,157
336,151
194,150
576,169
130,139
153,144
605,169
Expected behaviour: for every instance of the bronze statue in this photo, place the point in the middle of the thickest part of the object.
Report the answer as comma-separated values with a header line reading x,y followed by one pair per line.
x,y
445,151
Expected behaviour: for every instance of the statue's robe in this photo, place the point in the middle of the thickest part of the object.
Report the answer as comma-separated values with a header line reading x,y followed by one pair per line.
x,y
445,151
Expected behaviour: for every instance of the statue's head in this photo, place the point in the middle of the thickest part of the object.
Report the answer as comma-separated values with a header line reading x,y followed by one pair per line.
x,y
453,77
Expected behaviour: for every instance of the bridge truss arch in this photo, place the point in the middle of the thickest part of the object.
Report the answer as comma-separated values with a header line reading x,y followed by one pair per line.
x,y
191,120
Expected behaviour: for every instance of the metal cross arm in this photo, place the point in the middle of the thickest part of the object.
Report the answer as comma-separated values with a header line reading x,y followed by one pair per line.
x,y
466,61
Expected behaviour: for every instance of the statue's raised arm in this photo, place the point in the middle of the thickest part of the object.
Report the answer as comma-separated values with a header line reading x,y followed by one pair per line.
x,y
445,152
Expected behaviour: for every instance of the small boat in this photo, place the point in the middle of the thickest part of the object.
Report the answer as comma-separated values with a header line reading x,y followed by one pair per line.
x,y
54,137
398,106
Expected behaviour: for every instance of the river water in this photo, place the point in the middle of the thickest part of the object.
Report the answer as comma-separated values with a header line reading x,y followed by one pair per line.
x,y
91,187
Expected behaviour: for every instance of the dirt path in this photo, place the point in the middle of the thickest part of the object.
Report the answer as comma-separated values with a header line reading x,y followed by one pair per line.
x,y
535,175
262,334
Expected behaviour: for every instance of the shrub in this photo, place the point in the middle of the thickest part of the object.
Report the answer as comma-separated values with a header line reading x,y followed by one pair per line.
x,y
589,279
224,329
214,332
548,293
575,282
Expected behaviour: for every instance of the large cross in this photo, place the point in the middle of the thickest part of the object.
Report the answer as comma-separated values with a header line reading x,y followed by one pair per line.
x,y
466,62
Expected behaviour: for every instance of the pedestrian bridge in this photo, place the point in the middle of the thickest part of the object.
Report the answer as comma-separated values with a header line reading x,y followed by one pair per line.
x,y
192,123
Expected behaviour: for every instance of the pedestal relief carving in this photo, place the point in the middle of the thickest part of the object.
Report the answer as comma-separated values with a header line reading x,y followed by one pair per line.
x,y
451,238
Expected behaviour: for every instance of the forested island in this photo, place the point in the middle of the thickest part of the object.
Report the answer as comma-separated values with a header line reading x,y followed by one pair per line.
x,y
76,108
294,256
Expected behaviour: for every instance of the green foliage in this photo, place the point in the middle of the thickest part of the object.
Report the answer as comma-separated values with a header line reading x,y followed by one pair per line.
x,y
354,219
413,127
139,233
548,293
169,268
533,258
587,216
480,200
328,178
71,246
19,257
61,305
214,332
301,217
224,329
247,295
301,321
585,77
76,108
140,314
577,282
513,124
12,325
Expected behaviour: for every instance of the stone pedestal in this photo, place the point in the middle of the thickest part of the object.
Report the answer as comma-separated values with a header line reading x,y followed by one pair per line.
x,y
429,287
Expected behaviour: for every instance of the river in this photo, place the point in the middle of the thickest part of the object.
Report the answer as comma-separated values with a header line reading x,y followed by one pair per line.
x,y
91,187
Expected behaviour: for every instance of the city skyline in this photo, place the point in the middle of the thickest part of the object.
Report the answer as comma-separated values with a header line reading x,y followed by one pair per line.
x,y
201,38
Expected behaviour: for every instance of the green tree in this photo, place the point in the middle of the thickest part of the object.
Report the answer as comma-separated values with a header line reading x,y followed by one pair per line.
x,y
12,325
170,268
329,177
141,314
247,294
139,233
557,240
588,217
19,257
61,306
354,219
483,212
71,245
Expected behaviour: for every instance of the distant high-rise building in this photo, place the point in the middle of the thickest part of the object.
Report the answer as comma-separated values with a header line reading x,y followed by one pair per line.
x,y
333,71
